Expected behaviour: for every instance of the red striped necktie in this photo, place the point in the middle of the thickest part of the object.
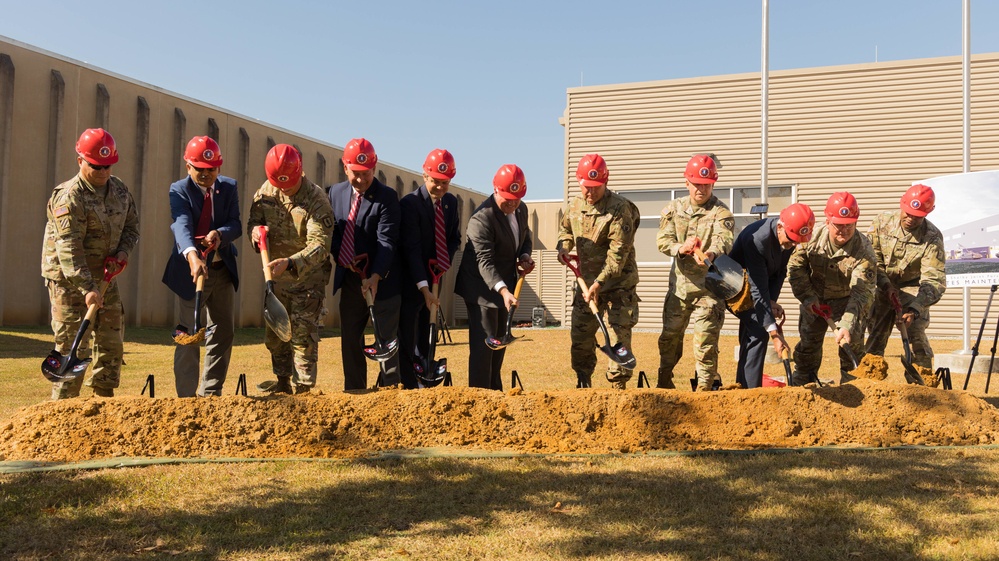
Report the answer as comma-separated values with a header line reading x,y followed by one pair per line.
x,y
346,258
443,261
205,221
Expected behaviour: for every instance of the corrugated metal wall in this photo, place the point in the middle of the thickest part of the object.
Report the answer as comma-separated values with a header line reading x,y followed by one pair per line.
x,y
871,129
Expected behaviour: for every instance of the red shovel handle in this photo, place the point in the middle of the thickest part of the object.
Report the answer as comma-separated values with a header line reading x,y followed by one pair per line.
x,y
895,304
435,271
568,261
262,232
360,265
120,265
824,311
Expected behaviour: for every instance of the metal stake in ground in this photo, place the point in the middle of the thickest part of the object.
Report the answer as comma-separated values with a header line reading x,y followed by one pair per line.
x,y
618,353
60,368
381,350
974,350
275,314
508,338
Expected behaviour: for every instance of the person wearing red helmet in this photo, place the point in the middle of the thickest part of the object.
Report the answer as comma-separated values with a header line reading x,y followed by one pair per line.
x,y
299,224
698,222
498,243
75,255
367,216
429,232
204,207
763,248
833,274
600,225
911,261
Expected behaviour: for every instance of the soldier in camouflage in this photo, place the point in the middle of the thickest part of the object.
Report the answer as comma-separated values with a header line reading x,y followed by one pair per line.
x,y
837,269
300,224
699,221
90,218
601,226
910,255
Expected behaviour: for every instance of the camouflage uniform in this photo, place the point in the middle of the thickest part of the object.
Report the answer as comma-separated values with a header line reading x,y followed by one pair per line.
x,y
604,238
688,299
913,263
842,277
87,224
300,228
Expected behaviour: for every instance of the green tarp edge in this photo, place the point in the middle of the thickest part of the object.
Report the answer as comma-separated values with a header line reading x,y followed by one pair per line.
x,y
28,466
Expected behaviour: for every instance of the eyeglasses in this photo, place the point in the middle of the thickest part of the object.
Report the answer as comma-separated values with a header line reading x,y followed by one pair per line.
x,y
97,168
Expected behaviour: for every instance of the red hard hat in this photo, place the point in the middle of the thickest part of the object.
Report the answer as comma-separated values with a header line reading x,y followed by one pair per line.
x,y
203,152
592,171
439,164
510,183
97,147
919,200
841,208
701,169
283,166
359,155
798,221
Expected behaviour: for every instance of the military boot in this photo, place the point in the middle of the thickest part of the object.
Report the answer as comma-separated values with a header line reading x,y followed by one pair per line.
x,y
283,385
583,380
665,380
103,392
67,389
302,389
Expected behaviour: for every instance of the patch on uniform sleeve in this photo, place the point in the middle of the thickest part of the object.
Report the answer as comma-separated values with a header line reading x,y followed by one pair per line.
x,y
729,224
328,221
60,211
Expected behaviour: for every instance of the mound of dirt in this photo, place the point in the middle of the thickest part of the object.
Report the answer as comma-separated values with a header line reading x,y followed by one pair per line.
x,y
872,367
862,413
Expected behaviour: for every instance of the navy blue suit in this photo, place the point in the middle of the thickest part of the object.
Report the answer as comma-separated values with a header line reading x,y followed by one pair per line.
x,y
758,250
376,232
186,202
418,242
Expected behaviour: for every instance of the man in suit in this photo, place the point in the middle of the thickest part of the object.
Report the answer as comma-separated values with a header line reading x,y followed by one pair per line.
x,y
429,231
205,211
499,242
366,212
763,248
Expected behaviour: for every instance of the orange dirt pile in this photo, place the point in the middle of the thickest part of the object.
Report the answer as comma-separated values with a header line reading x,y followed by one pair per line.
x,y
872,367
862,413
928,376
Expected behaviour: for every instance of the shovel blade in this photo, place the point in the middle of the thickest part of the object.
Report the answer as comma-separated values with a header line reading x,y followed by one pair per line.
x,y
911,375
721,287
381,353
434,376
61,368
276,316
620,354
497,344
725,277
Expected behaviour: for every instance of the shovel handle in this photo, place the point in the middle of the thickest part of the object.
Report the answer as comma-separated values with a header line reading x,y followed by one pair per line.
x,y
702,256
265,255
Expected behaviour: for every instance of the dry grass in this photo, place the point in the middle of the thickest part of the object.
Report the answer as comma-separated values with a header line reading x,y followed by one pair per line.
x,y
907,504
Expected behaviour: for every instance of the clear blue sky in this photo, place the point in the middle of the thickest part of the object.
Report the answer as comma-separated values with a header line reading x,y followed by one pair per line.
x,y
486,80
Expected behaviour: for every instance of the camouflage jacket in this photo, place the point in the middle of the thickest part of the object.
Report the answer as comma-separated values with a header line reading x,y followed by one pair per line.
x,y
603,236
819,272
82,230
713,223
299,228
913,262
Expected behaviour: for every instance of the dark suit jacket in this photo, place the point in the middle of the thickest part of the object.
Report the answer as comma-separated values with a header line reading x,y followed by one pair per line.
x,y
418,235
491,253
186,201
758,250
376,232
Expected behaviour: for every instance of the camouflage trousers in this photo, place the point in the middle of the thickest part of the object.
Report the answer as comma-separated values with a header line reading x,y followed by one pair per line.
x,y
883,321
105,336
619,310
812,330
297,358
708,315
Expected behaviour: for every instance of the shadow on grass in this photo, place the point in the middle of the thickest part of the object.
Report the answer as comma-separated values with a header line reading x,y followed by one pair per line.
x,y
19,342
718,507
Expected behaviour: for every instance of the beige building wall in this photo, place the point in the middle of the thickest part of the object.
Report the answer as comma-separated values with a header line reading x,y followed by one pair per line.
x,y
871,129
46,101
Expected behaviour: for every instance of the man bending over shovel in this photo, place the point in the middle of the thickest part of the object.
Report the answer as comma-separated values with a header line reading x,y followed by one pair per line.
x,y
205,211
601,226
299,222
74,254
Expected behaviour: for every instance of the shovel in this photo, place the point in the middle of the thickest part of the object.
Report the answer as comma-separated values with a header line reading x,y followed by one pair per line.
x,y
380,351
911,375
431,372
618,353
275,314
180,334
60,368
825,312
725,277
497,344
